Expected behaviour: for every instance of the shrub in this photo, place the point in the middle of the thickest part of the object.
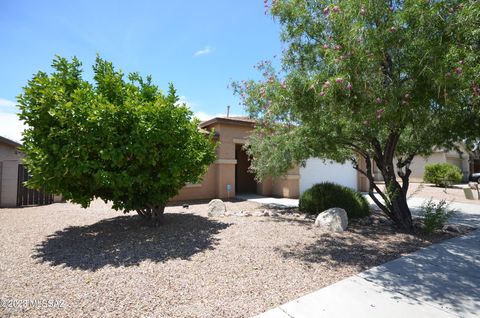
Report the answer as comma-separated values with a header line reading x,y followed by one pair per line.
x,y
442,174
435,215
327,195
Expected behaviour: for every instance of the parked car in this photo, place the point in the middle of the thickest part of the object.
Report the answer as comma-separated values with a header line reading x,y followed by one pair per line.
x,y
475,177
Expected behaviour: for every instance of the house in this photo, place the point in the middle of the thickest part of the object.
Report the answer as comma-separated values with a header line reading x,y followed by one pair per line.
x,y
10,158
229,176
12,175
460,160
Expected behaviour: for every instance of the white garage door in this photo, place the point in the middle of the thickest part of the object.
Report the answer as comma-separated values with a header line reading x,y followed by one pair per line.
x,y
317,171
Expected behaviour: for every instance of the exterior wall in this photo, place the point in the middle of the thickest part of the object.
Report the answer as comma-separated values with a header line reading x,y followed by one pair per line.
x,y
8,152
8,183
10,158
287,186
317,171
222,173
205,189
452,157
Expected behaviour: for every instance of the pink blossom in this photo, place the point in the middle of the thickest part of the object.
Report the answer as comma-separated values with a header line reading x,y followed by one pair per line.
x,y
326,84
349,86
458,70
326,11
339,80
378,100
461,62
393,29
407,96
322,94
325,46
380,113
338,47
336,9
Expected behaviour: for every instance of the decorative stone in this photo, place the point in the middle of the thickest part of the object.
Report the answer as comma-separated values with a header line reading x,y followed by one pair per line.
x,y
332,220
272,213
216,207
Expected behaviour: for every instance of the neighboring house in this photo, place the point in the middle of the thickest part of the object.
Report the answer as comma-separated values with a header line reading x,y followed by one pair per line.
x,y
228,176
10,158
460,160
12,175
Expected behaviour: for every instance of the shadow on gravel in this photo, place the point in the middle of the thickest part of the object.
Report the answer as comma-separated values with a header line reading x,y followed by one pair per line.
x,y
127,241
362,247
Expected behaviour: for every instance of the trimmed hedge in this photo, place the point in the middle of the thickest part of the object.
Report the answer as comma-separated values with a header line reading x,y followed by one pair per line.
x,y
328,195
442,174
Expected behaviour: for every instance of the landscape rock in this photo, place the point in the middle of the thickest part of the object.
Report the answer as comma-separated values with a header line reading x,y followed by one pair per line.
x,y
268,212
457,228
332,220
216,207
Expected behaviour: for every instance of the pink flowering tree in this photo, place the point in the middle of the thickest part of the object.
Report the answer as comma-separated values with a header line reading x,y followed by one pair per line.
x,y
372,82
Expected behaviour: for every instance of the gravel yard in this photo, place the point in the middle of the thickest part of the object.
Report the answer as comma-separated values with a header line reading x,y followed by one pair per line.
x,y
102,263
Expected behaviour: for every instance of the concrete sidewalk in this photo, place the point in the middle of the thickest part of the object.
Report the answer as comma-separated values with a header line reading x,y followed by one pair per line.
x,y
442,280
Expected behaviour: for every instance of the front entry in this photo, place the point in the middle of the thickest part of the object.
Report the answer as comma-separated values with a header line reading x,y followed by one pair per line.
x,y
244,179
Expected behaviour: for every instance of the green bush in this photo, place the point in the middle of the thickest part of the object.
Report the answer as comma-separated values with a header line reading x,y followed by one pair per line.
x,y
435,215
327,195
442,174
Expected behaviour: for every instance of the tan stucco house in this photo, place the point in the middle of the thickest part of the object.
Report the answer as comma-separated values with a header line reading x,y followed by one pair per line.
x,y
229,175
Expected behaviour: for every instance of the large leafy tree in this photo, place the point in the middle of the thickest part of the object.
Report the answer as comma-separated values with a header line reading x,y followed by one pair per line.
x,y
367,81
121,140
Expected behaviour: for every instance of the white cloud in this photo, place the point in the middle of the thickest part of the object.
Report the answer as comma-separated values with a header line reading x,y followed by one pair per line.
x,y
11,126
184,100
7,103
201,114
204,51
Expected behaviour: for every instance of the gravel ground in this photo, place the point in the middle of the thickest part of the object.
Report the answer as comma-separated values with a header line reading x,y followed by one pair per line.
x,y
101,263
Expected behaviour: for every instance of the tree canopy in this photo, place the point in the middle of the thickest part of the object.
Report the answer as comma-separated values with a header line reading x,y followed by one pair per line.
x,y
118,139
367,81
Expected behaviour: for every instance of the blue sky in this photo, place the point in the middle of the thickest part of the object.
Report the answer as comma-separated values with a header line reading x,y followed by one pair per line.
x,y
200,46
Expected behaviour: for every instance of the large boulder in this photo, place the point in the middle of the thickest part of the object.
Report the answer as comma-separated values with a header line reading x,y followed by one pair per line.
x,y
216,207
332,220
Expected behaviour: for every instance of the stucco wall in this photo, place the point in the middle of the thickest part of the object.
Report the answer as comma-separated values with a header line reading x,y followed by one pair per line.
x,y
8,188
10,158
316,171
287,186
222,172
202,190
8,152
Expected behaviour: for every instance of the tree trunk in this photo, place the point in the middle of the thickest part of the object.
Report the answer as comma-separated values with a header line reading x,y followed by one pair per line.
x,y
397,197
152,214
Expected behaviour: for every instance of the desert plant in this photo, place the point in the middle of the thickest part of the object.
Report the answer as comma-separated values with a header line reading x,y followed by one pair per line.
x,y
435,215
327,195
442,174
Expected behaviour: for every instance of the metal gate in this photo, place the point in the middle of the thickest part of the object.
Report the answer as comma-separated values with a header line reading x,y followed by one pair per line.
x,y
26,196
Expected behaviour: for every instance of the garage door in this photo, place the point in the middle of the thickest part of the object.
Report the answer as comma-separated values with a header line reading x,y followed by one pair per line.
x,y
317,171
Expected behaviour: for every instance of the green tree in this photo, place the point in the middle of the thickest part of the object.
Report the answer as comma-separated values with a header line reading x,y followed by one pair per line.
x,y
373,81
119,140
